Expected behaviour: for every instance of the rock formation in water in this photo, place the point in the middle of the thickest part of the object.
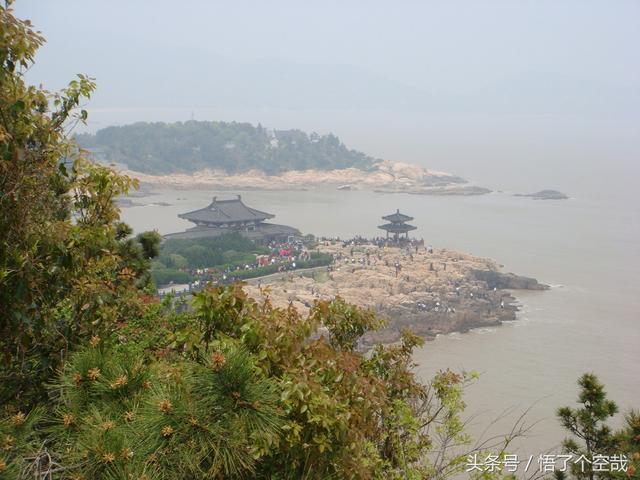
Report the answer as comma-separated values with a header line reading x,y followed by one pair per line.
x,y
545,195
384,176
432,293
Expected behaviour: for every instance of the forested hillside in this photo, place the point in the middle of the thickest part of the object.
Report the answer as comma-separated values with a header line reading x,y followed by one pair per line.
x,y
233,147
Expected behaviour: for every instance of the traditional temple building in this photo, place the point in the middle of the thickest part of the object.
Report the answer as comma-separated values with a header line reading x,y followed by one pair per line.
x,y
232,215
397,225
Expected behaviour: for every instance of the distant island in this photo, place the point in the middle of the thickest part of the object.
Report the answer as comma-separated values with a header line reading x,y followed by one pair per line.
x,y
231,155
187,147
545,195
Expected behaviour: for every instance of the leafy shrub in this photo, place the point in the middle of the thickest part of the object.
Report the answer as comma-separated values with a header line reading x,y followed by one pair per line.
x,y
230,248
164,276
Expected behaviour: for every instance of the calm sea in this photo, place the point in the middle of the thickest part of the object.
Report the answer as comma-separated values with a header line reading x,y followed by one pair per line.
x,y
587,248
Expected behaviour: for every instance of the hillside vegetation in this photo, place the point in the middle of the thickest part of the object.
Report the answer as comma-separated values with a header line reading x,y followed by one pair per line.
x,y
230,253
161,148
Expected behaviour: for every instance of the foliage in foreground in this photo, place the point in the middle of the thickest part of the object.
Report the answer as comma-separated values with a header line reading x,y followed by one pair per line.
x,y
592,438
68,268
236,389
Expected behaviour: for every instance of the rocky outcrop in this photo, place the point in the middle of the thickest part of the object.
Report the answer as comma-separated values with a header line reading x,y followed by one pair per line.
x,y
495,279
464,190
545,195
384,175
429,293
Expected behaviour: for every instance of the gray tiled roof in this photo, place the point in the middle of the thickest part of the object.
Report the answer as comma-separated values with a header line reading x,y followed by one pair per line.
x,y
397,217
397,227
225,211
263,230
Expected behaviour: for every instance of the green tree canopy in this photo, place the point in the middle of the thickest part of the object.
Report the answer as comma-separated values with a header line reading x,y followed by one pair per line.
x,y
233,147
68,267
592,437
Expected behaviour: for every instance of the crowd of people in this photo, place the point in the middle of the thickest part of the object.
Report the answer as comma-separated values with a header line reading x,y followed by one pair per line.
x,y
363,252
359,240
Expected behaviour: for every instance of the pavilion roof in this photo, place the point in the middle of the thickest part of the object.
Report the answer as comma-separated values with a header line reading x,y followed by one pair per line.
x,y
397,217
397,227
261,231
226,211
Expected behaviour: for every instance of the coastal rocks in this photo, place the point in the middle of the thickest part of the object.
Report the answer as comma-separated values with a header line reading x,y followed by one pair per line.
x,y
500,280
391,177
464,190
545,195
406,174
431,293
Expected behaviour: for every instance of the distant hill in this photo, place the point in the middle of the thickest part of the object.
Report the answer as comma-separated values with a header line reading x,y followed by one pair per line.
x,y
161,148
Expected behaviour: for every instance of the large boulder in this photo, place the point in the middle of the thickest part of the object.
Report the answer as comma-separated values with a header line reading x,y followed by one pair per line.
x,y
500,280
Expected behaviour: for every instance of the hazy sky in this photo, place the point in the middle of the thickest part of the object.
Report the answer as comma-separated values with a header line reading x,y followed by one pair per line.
x,y
502,92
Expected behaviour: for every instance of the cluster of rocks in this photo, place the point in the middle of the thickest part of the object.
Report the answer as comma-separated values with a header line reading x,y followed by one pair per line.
x,y
384,175
545,195
430,293
463,190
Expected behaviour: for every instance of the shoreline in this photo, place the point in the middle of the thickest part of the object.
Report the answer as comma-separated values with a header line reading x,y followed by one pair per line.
x,y
383,177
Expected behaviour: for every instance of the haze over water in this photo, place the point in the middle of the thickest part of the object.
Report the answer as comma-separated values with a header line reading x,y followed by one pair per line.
x,y
513,95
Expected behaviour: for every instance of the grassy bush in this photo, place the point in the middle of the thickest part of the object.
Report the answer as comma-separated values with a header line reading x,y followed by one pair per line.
x,y
231,248
164,276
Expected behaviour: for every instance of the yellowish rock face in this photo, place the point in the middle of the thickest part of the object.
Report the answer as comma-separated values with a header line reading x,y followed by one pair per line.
x,y
433,291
